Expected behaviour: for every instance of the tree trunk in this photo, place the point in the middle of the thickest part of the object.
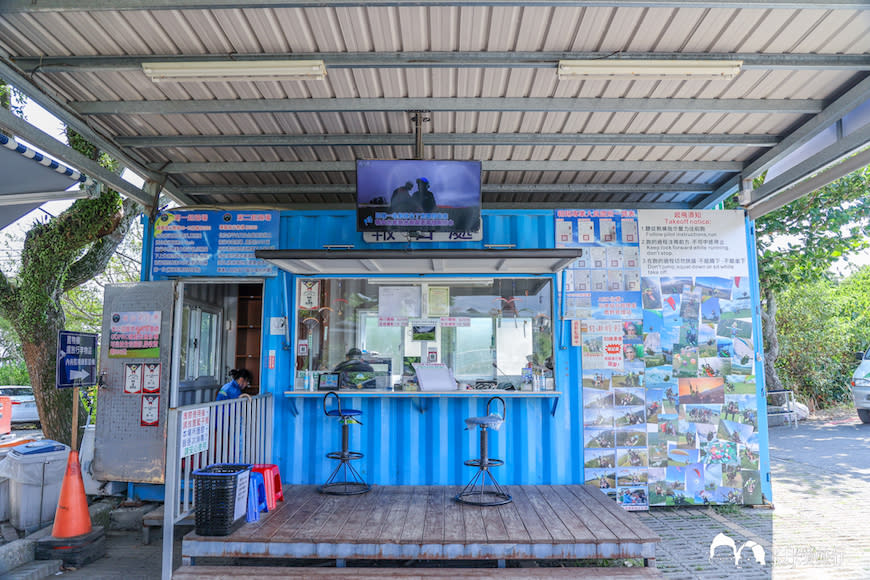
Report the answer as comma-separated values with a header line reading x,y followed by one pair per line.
x,y
771,343
54,405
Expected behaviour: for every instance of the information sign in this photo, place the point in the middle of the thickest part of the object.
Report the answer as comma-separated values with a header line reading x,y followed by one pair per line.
x,y
76,359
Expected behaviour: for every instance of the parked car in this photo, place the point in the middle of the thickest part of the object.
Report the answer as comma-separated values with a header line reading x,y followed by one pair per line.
x,y
861,386
23,403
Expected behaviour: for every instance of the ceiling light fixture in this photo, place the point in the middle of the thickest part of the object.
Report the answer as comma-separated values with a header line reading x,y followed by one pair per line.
x,y
648,69
237,70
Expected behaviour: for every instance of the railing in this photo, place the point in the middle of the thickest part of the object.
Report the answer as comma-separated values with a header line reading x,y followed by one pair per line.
x,y
239,431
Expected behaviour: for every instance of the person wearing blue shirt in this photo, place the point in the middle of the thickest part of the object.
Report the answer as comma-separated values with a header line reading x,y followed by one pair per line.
x,y
236,387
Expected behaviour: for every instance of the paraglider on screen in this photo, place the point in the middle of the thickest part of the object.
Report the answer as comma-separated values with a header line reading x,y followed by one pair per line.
x,y
411,195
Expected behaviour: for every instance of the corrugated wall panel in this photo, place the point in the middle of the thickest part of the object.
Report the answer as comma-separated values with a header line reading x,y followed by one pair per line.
x,y
315,229
413,441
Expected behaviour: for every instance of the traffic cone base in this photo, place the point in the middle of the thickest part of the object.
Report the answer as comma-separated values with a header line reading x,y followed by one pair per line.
x,y
72,517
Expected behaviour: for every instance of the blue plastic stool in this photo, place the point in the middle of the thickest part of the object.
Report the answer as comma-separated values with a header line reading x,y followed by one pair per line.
x,y
256,497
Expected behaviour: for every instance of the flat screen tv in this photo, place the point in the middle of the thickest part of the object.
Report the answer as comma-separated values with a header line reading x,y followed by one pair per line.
x,y
417,195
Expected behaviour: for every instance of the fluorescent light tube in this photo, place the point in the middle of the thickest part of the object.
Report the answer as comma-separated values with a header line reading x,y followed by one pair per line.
x,y
616,68
236,70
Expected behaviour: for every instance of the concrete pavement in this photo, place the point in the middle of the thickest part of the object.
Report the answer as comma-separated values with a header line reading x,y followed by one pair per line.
x,y
817,530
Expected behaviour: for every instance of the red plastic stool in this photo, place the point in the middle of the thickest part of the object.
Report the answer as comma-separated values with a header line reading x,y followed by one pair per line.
x,y
272,479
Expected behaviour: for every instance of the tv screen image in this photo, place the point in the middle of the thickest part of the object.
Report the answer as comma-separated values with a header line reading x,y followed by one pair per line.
x,y
418,195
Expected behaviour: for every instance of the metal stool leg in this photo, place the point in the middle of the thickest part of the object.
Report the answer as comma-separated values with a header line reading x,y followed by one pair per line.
x,y
476,491
350,482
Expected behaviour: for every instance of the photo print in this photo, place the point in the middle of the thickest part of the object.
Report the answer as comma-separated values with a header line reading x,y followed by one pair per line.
x,y
599,458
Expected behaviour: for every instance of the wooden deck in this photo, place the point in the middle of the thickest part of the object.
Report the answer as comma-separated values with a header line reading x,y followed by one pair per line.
x,y
424,523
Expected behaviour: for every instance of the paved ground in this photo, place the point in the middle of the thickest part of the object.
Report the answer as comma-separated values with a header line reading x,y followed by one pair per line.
x,y
821,472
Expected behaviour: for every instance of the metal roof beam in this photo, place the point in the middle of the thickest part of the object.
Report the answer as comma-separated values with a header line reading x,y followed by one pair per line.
x,y
125,5
442,59
434,104
777,200
536,188
54,105
533,204
728,188
835,111
541,165
432,139
812,165
64,153
41,196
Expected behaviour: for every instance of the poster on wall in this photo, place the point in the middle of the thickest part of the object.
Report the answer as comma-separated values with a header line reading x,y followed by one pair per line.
x,y
151,377
398,302
150,416
693,243
602,296
678,423
605,281
213,243
132,378
309,294
135,334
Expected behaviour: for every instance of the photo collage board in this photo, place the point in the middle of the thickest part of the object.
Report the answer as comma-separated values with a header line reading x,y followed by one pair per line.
x,y
674,420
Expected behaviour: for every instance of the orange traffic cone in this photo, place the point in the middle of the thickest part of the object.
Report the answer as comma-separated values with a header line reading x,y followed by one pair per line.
x,y
72,517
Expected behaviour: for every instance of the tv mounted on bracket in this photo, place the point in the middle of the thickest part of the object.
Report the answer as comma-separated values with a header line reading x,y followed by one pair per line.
x,y
416,195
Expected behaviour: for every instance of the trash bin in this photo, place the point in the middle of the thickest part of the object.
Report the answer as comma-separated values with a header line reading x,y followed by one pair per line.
x,y
35,472
221,498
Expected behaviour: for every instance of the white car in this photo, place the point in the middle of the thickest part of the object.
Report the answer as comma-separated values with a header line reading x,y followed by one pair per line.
x,y
23,403
861,387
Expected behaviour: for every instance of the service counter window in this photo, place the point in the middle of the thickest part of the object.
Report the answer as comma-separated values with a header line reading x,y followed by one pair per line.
x,y
486,331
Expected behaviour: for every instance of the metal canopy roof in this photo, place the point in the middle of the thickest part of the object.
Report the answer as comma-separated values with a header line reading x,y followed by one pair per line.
x,y
492,261
483,72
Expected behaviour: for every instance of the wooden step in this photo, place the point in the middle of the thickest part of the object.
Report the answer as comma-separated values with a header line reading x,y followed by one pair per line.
x,y
378,573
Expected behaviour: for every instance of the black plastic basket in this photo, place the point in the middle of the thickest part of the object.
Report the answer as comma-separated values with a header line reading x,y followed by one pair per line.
x,y
215,492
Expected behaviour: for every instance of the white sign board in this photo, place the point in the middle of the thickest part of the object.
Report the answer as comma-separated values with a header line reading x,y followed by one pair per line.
x,y
194,431
693,243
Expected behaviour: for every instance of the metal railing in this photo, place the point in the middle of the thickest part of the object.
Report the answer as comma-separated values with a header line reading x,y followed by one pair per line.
x,y
239,431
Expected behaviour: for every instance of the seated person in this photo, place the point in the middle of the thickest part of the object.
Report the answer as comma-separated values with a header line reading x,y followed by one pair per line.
x,y
352,364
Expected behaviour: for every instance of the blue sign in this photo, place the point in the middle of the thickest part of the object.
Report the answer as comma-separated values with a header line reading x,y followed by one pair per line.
x,y
76,359
213,243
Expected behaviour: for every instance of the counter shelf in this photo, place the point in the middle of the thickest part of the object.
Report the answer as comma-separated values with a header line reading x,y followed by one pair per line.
x,y
422,398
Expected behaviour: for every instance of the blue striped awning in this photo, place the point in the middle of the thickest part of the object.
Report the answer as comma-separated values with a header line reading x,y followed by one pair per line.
x,y
28,179
38,157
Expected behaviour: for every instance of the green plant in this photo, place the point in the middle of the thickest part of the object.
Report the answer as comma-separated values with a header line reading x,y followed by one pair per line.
x,y
728,509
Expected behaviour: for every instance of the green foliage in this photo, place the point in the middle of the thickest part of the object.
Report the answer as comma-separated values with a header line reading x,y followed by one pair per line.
x,y
799,242
83,305
14,373
854,303
816,356
11,98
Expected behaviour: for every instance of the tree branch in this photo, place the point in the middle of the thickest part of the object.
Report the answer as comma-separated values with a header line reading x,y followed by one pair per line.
x,y
98,255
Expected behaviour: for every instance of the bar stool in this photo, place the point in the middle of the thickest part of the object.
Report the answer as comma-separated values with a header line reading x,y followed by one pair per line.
x,y
354,484
476,492
272,482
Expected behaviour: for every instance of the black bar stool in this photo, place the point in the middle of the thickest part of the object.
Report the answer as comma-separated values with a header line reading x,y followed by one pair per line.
x,y
476,491
351,482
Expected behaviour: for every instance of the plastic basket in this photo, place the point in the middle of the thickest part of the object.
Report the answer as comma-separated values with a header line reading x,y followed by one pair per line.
x,y
221,498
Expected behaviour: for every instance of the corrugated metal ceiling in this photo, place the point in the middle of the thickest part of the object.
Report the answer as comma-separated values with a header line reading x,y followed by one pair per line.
x,y
68,52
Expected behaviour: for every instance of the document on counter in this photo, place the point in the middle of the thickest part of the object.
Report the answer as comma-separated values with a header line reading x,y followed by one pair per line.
x,y
434,377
